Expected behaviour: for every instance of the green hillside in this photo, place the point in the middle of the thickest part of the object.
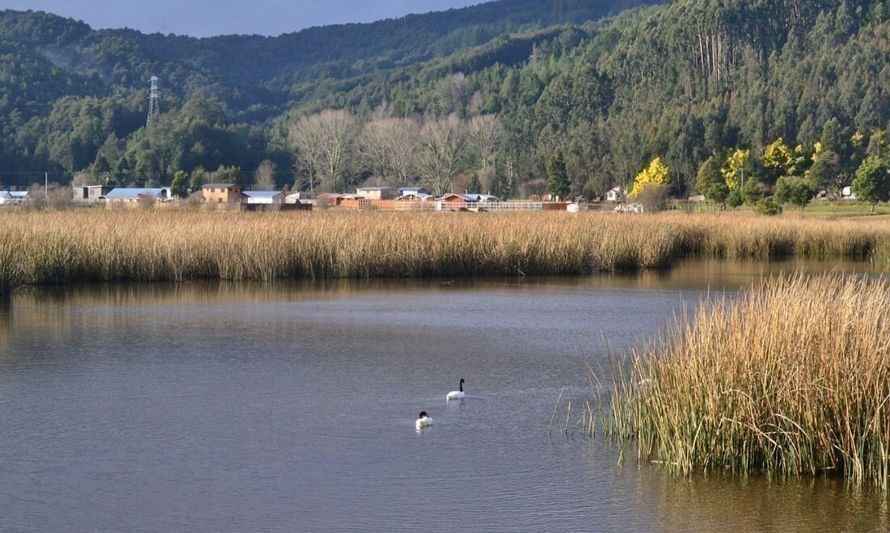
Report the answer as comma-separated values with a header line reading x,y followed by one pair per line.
x,y
682,81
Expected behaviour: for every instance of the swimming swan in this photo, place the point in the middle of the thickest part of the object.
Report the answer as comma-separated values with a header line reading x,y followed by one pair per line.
x,y
423,421
457,394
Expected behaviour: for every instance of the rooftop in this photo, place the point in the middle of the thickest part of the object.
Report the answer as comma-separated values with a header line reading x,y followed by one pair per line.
x,y
124,192
262,194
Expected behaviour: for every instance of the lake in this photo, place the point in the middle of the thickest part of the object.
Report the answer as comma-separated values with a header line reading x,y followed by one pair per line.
x,y
291,406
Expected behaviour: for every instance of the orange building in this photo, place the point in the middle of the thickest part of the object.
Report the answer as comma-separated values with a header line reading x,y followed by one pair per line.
x,y
221,193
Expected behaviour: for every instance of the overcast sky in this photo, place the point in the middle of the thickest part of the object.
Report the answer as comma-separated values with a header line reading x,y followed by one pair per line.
x,y
202,18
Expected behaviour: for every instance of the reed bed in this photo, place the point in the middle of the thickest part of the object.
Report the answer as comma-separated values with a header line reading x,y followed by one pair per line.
x,y
175,245
791,379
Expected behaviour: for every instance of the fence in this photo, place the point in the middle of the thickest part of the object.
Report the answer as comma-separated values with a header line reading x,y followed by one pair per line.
x,y
395,205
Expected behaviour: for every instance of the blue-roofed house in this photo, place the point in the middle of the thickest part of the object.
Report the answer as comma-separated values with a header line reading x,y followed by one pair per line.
x,y
458,202
263,197
457,198
127,195
13,197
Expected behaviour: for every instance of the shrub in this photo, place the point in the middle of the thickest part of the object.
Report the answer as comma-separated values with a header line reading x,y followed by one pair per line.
x,y
768,207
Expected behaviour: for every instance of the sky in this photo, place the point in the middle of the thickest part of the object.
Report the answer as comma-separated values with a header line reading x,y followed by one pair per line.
x,y
204,18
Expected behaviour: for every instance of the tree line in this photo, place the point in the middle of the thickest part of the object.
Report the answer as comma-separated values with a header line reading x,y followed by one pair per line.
x,y
575,108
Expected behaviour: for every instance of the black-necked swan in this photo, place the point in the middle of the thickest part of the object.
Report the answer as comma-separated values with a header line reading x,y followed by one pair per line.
x,y
457,394
423,421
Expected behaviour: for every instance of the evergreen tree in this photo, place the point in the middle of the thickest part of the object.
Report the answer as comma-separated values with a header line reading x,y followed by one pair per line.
x,y
558,183
794,190
180,184
872,183
750,191
709,180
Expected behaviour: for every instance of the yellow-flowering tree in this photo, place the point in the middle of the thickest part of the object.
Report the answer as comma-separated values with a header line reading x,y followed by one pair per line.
x,y
801,160
777,156
657,173
733,168
817,149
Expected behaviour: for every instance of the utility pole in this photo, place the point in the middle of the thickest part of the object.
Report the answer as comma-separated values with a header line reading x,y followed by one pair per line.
x,y
154,108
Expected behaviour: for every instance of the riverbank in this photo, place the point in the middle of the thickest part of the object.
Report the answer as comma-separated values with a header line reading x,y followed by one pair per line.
x,y
64,247
791,379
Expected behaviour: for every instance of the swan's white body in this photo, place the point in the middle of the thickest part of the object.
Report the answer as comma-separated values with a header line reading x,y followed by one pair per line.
x,y
423,422
457,394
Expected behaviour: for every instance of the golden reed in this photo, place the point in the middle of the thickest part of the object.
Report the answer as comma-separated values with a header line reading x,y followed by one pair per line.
x,y
791,379
174,245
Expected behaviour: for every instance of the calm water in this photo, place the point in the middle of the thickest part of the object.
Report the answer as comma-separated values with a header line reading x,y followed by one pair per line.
x,y
205,407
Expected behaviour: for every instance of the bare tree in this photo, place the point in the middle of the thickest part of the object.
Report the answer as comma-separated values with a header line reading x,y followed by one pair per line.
x,y
264,177
486,133
323,142
443,143
389,147
452,93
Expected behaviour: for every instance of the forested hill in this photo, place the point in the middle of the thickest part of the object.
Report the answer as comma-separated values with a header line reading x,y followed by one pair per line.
x,y
247,71
682,81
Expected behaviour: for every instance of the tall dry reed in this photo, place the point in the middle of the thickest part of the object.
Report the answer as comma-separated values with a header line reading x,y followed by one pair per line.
x,y
792,379
176,245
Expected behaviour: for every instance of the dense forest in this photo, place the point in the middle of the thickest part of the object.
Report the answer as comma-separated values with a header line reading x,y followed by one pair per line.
x,y
588,93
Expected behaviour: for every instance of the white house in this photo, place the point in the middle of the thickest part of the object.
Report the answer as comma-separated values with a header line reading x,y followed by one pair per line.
x,y
263,197
415,197
299,196
127,195
616,194
13,197
848,194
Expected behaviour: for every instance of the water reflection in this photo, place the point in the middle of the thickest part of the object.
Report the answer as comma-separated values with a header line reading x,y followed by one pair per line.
x,y
709,503
220,406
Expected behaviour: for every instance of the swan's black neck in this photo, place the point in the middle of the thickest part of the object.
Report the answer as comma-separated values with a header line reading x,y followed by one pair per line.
x,y
461,385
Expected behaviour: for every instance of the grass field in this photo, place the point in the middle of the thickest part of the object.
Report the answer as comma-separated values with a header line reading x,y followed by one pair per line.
x,y
176,245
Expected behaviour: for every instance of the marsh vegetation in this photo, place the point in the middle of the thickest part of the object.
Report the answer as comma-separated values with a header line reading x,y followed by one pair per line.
x,y
177,245
791,379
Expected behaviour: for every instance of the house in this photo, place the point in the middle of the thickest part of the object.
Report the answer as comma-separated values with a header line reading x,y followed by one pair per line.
x,y
848,194
415,196
457,202
486,198
125,195
221,193
89,193
263,197
329,199
460,198
299,196
412,190
13,197
616,194
375,193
